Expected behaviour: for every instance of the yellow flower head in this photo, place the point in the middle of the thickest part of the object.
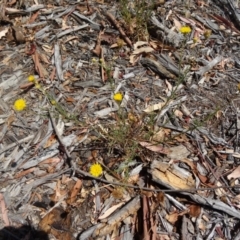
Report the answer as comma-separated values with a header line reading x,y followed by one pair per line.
x,y
118,97
37,85
94,60
96,170
207,33
195,40
185,30
120,42
53,102
19,104
31,78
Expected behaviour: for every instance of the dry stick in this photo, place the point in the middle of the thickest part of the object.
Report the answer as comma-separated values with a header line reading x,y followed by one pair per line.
x,y
102,67
69,158
149,189
30,137
219,155
37,64
4,211
88,7
145,212
116,24
98,49
99,52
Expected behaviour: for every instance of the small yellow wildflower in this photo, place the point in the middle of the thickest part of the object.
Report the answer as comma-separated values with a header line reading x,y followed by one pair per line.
x,y
195,40
53,102
96,170
120,42
185,30
19,104
207,33
31,78
94,60
37,85
132,117
118,97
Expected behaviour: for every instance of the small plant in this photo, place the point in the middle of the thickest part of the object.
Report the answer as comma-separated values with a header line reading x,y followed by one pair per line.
x,y
107,70
51,99
121,138
125,135
136,15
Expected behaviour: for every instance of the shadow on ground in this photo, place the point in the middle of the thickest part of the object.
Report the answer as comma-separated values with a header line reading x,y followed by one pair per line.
x,y
24,232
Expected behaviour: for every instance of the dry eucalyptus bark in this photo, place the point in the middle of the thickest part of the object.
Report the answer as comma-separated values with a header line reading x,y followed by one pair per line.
x,y
231,10
170,36
157,67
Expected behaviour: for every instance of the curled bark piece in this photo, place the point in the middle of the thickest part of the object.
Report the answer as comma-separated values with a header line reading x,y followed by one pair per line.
x,y
157,67
130,208
167,62
74,29
18,34
215,204
171,36
84,18
58,62
210,65
231,10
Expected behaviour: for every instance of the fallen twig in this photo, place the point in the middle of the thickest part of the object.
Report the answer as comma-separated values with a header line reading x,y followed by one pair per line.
x,y
4,210
116,24
60,140
98,49
191,190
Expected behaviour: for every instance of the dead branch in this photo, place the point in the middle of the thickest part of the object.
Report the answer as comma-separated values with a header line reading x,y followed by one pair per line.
x,y
117,25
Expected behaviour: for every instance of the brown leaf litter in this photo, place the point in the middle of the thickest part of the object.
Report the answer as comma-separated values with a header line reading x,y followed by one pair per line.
x,y
169,151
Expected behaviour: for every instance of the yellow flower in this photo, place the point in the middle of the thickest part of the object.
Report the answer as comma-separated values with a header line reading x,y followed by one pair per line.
x,y
31,78
118,97
207,33
94,60
19,104
195,40
96,170
185,30
53,102
37,85
132,117
120,42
